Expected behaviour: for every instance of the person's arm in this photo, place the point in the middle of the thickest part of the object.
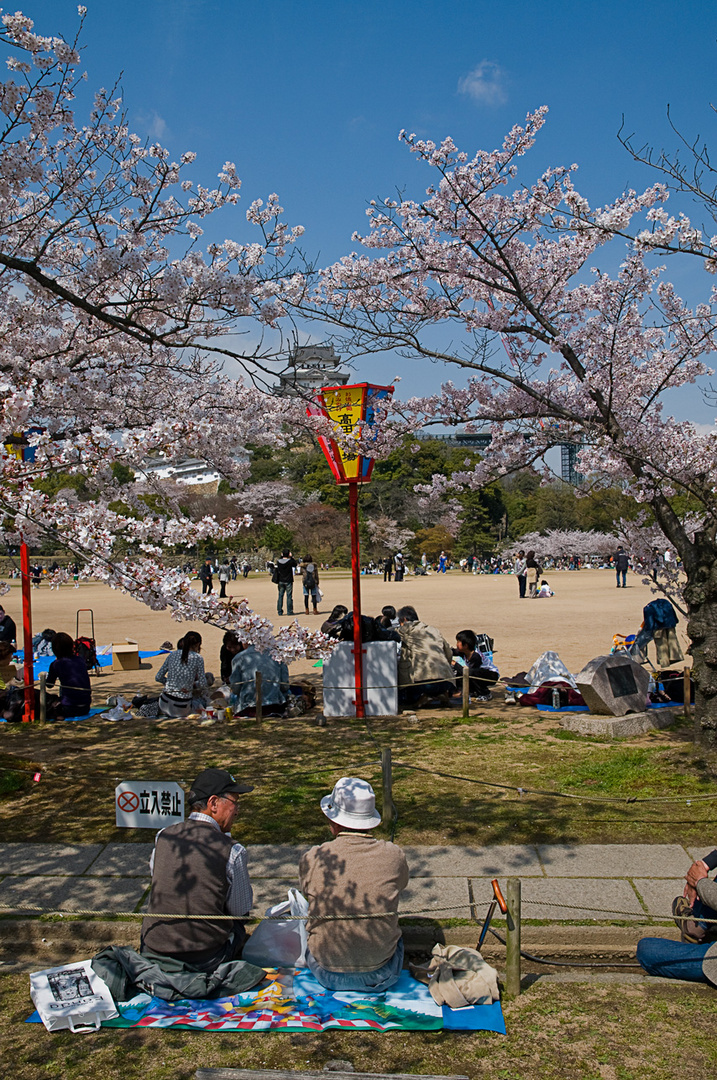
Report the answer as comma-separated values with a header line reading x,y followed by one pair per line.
x,y
239,896
52,674
447,652
706,889
161,675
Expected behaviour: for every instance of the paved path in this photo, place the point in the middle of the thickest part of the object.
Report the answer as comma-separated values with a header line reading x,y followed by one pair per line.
x,y
613,882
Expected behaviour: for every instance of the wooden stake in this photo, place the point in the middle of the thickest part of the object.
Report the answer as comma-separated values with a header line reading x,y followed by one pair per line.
x,y
512,941
257,678
466,693
43,697
388,807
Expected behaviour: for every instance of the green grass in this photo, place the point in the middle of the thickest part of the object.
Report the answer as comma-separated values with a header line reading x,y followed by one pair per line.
x,y
568,1032
293,763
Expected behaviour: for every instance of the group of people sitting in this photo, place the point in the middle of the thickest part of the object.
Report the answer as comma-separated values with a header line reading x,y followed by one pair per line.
x,y
67,668
429,668
188,688
199,869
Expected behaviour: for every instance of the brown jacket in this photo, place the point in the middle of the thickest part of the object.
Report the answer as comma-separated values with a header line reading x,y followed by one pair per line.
x,y
355,873
426,656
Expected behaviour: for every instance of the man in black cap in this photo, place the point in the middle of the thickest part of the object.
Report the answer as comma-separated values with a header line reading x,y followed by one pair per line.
x,y
198,869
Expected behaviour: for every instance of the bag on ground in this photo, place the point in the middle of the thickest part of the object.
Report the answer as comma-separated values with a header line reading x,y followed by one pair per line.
x,y
280,942
71,997
458,977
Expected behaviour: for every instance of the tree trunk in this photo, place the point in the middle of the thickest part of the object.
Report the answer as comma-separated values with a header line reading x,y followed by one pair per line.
x,y
701,597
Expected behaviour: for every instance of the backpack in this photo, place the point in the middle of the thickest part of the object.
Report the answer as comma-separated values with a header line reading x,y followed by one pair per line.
x,y
309,579
85,649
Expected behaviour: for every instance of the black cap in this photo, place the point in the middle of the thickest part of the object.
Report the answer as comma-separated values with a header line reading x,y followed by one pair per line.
x,y
215,782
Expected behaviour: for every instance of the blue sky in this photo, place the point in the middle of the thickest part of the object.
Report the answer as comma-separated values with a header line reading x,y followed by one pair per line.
x,y
308,96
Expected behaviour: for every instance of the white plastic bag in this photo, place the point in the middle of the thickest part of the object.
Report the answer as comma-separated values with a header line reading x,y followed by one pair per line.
x,y
71,996
280,942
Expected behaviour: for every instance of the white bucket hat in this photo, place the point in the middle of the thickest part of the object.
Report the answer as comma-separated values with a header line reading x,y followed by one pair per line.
x,y
352,803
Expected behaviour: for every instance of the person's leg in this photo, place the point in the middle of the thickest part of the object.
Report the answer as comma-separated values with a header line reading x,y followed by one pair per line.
x,y
624,579
223,590
672,959
315,601
290,598
306,600
372,982
280,590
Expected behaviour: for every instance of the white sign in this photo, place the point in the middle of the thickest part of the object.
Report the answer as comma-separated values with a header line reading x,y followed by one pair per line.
x,y
148,804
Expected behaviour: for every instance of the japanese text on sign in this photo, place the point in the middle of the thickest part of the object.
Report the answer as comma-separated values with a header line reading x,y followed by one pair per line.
x,y
148,804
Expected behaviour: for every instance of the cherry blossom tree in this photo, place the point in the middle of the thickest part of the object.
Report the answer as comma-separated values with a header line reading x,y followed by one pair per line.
x,y
115,324
388,535
562,543
591,355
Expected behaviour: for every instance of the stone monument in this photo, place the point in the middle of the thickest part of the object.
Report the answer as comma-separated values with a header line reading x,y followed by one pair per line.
x,y
614,685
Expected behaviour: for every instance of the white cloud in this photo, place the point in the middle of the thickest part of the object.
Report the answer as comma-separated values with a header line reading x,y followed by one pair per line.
x,y
152,125
485,84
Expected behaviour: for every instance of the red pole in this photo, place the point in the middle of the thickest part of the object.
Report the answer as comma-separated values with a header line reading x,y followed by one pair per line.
x,y
27,636
356,581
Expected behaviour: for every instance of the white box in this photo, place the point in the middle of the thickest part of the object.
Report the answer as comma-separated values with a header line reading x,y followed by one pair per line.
x,y
380,678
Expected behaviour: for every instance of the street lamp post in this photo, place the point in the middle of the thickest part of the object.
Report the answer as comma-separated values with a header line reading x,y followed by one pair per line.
x,y
352,409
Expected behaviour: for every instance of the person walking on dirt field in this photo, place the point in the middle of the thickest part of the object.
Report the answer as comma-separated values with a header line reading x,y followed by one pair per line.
x,y
283,578
388,568
206,573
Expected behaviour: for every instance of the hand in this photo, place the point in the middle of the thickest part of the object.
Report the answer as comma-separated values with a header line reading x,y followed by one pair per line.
x,y
696,872
689,894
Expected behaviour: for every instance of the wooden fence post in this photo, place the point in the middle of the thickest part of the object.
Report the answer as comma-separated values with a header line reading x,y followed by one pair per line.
x,y
512,941
387,805
257,679
466,693
43,697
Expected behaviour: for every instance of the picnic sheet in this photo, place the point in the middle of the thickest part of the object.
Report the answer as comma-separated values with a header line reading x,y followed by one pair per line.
x,y
292,1000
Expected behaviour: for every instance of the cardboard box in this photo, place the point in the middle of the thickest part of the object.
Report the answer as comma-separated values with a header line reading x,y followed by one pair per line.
x,y
125,656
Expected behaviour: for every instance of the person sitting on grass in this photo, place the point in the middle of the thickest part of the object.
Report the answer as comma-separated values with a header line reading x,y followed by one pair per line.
x,y
481,674
353,874
8,671
186,684
199,869
71,672
694,957
275,690
425,670
231,645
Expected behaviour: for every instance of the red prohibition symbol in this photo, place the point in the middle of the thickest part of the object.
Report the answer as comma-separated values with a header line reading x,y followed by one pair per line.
x,y
127,801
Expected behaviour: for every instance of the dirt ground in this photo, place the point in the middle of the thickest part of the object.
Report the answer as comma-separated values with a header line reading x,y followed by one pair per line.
x,y
578,622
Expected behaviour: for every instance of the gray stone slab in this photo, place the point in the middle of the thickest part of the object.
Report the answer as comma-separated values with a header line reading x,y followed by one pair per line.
x,y
58,859
99,894
696,852
614,860
569,898
451,861
274,860
446,897
122,860
270,891
617,727
658,895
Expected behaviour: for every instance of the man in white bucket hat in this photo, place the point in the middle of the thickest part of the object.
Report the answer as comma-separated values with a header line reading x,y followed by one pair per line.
x,y
353,874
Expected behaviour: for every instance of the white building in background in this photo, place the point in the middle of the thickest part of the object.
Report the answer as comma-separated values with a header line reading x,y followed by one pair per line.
x,y
311,367
190,472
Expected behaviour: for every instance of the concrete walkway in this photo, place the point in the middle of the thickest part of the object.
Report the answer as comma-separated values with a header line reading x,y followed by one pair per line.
x,y
560,882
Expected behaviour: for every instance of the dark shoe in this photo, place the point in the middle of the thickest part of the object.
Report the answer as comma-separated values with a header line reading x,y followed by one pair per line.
x,y
690,930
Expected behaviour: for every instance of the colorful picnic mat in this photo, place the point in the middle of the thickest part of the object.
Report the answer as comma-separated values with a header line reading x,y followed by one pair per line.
x,y
292,1000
